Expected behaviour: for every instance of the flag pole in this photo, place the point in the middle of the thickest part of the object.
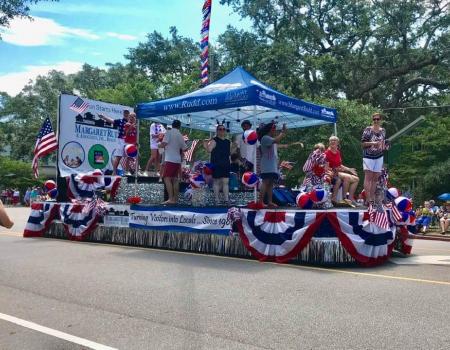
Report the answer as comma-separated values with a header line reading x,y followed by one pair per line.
x,y
57,136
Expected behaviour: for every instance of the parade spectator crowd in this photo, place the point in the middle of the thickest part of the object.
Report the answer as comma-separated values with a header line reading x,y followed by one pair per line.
x,y
429,215
13,196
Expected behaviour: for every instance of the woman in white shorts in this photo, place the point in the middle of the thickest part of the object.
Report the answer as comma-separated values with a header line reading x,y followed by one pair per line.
x,y
157,132
374,143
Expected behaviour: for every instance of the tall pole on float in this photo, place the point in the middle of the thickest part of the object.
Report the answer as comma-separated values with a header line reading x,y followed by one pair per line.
x,y
255,158
136,165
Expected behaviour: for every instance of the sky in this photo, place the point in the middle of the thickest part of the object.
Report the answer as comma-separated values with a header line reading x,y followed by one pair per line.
x,y
63,35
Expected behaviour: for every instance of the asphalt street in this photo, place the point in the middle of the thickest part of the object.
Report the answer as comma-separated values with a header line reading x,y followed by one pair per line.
x,y
131,298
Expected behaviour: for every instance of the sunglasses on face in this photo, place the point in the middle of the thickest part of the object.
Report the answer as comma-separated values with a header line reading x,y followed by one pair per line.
x,y
376,119
220,129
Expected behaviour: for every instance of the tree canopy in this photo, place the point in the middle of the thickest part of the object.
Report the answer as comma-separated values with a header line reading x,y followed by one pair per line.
x,y
10,9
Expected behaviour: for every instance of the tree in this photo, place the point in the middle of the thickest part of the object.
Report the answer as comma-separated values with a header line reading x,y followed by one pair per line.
x,y
16,174
418,157
37,101
14,8
166,61
385,53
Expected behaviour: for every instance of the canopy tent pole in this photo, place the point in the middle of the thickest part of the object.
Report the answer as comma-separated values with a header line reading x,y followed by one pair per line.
x,y
335,129
255,194
136,165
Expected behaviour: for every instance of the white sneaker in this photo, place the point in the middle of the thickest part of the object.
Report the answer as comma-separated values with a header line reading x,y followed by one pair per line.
x,y
145,173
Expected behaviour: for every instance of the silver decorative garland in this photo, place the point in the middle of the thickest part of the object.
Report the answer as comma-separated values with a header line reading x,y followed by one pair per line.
x,y
153,194
319,251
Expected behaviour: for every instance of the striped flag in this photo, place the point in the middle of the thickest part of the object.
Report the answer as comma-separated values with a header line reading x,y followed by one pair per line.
x,y
286,165
395,213
378,218
190,152
79,105
46,143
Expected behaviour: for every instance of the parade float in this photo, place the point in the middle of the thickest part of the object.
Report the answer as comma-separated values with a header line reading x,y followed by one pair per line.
x,y
308,231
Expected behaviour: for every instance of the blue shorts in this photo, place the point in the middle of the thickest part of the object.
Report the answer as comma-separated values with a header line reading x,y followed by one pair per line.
x,y
270,176
424,221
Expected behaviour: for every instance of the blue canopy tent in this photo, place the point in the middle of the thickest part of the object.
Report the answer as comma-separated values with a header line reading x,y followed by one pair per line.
x,y
236,97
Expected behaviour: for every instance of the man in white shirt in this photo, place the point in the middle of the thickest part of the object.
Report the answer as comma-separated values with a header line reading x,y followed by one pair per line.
x,y
174,146
157,132
248,152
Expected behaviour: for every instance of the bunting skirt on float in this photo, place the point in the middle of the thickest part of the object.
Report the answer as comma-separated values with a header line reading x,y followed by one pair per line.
x,y
320,251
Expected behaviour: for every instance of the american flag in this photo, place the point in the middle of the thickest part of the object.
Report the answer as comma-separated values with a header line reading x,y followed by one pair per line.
x,y
79,105
45,144
286,165
378,218
190,152
395,213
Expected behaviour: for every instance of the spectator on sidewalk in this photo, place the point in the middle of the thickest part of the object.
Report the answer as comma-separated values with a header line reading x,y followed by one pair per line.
x,y
424,221
444,219
16,197
26,197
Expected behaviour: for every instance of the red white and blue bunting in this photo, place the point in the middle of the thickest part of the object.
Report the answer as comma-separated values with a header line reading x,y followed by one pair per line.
x,y
41,216
276,235
83,186
204,42
280,235
77,221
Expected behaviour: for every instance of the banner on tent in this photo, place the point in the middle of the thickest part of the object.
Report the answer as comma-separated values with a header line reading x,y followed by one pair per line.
x,y
207,220
86,141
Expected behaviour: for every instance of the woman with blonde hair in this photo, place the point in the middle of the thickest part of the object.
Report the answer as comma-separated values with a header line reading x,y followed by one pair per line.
x,y
342,174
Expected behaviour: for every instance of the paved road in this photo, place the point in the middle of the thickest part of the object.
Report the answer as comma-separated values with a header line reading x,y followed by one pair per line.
x,y
131,298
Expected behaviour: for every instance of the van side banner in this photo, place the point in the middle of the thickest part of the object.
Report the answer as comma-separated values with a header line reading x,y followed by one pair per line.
x,y
86,141
206,220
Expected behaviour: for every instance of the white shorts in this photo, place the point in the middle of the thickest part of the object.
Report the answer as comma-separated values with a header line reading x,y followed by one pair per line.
x,y
374,165
119,151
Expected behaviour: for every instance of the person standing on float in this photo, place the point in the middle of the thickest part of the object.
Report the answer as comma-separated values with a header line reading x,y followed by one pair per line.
x,y
247,152
220,149
174,146
157,132
118,124
269,159
374,143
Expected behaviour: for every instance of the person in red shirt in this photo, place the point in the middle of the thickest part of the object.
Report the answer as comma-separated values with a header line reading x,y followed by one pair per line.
x,y
345,175
130,131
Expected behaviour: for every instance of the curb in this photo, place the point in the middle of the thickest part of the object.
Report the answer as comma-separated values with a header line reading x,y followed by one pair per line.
x,y
431,237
